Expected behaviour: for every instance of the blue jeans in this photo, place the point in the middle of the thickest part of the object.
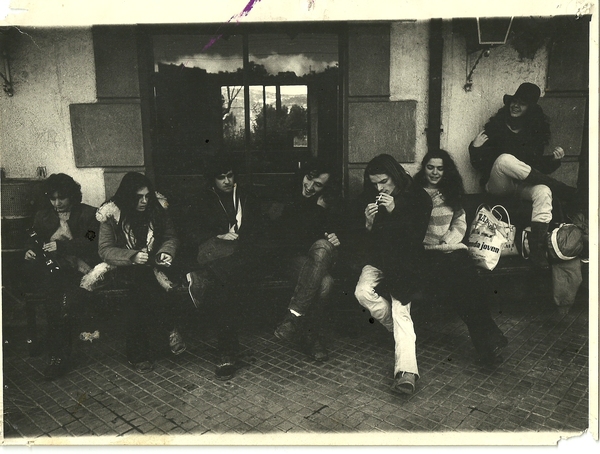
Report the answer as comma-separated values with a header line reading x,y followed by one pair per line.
x,y
312,273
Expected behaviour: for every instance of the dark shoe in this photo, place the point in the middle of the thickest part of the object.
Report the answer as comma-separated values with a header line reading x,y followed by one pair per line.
x,y
318,352
57,367
492,359
226,367
176,342
290,329
537,245
315,348
143,367
404,383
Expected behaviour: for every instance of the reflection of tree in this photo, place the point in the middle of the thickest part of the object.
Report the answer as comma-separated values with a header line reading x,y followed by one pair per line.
x,y
233,135
232,93
273,129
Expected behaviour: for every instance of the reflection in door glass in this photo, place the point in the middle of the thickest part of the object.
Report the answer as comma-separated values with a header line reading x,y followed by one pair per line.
x,y
278,117
270,99
232,97
191,51
296,55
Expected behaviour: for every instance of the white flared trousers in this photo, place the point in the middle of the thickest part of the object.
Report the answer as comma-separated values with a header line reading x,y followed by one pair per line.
x,y
507,178
395,316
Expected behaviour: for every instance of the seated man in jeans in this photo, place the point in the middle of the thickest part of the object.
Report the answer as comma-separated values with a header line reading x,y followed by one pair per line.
x,y
223,228
309,243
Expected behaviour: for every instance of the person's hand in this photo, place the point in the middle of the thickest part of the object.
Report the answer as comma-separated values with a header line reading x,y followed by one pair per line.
x,y
164,259
370,212
387,201
229,236
140,258
332,238
558,153
30,255
480,139
49,247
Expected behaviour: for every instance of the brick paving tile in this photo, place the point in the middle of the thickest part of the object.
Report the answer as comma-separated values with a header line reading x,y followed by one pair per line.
x,y
541,386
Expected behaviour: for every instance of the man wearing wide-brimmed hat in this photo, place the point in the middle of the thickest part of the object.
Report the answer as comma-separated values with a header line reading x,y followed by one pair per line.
x,y
509,153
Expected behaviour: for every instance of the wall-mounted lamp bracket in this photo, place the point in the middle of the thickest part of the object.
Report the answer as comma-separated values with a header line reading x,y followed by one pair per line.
x,y
7,84
469,82
491,31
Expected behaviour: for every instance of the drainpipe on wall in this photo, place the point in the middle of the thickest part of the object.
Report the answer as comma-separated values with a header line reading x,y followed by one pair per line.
x,y
436,51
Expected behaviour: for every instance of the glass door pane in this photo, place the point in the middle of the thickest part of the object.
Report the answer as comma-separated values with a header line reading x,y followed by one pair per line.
x,y
199,100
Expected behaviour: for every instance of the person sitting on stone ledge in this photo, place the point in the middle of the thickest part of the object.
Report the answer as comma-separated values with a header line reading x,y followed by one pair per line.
x,y
64,246
224,232
138,238
396,216
449,274
509,153
308,235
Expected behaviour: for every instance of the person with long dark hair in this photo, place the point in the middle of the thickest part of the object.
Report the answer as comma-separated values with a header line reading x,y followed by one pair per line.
x,y
308,231
449,274
67,231
509,153
138,237
396,216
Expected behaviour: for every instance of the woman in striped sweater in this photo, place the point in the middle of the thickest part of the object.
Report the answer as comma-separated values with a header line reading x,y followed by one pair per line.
x,y
449,271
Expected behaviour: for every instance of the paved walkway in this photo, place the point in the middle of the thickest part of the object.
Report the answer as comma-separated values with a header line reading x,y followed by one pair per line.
x,y
542,386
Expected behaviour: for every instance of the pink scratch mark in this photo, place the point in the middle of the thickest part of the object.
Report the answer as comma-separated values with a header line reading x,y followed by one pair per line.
x,y
235,17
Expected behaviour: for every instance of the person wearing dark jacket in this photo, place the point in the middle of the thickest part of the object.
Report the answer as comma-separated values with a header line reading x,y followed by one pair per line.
x,y
308,234
67,231
509,153
396,216
224,231
138,238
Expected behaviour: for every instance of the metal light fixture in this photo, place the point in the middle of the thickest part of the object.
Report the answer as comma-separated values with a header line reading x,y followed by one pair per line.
x,y
7,84
491,31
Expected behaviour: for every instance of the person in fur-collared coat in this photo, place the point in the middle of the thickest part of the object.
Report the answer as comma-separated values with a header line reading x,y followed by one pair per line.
x,y
138,237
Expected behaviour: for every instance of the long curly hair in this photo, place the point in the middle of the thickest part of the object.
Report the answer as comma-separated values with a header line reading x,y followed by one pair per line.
x,y
385,164
126,200
65,186
451,185
534,123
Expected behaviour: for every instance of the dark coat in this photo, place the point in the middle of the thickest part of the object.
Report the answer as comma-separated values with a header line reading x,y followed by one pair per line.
x,y
395,242
303,222
524,145
84,228
208,218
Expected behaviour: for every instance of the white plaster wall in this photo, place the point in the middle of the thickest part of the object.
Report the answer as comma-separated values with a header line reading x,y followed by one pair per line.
x,y
465,113
409,76
51,69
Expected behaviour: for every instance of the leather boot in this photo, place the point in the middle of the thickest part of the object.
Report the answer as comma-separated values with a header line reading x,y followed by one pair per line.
x,y
559,189
537,244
